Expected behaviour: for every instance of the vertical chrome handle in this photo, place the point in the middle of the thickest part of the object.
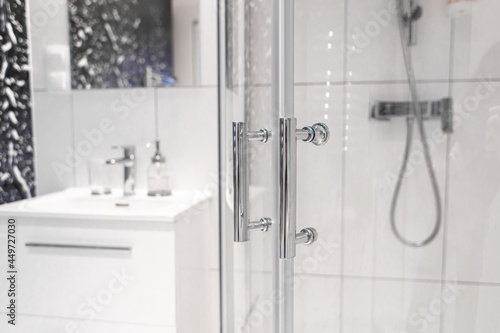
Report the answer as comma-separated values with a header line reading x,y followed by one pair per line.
x,y
242,224
319,135
288,187
240,181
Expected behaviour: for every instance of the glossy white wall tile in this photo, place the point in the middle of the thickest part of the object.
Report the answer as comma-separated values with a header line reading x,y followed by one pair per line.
x,y
187,123
476,43
373,46
54,168
114,117
472,308
319,33
317,303
474,189
390,306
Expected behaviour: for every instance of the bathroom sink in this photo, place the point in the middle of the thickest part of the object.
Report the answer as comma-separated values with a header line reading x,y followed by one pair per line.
x,y
78,202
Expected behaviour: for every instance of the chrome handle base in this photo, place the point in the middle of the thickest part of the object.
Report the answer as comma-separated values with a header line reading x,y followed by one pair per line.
x,y
264,225
241,138
262,135
318,134
306,236
321,134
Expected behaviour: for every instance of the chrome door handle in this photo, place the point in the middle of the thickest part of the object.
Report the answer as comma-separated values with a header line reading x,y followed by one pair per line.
x,y
318,134
242,223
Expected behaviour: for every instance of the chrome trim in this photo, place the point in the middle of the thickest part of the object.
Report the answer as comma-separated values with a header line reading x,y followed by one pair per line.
x,y
242,224
288,187
307,236
79,247
240,181
305,134
128,161
264,224
385,110
321,134
317,134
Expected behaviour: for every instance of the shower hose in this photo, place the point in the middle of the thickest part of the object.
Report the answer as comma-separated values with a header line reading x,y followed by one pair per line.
x,y
415,114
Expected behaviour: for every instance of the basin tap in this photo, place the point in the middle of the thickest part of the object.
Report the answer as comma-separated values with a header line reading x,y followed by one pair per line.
x,y
128,161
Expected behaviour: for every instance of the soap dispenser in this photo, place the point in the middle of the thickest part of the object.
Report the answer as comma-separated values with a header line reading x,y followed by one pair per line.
x,y
158,176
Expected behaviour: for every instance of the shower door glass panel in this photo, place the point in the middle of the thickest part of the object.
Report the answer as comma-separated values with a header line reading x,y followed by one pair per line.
x,y
245,35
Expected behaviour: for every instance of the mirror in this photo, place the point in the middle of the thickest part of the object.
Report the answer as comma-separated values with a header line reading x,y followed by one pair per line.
x,y
120,44
136,43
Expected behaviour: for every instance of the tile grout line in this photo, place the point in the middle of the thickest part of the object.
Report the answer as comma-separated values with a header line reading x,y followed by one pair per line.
x,y
447,175
343,182
381,82
390,279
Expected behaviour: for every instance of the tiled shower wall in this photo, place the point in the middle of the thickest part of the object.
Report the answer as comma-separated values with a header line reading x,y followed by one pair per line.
x,y
17,173
360,278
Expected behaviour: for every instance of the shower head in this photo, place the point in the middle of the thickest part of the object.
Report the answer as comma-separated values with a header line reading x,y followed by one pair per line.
x,y
410,18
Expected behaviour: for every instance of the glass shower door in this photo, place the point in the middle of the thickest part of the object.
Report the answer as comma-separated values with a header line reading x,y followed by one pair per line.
x,y
262,144
248,261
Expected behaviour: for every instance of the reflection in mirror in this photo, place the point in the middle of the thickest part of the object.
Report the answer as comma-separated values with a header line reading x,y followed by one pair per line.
x,y
121,43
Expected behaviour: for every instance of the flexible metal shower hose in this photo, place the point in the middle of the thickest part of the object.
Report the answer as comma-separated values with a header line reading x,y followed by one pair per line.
x,y
417,113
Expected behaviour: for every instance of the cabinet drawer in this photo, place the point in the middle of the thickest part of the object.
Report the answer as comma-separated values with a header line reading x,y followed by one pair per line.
x,y
97,274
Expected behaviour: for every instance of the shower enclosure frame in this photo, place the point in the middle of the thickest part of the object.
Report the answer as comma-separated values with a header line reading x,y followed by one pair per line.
x,y
284,236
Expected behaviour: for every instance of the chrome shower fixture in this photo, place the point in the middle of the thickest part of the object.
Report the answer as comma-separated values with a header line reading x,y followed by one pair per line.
x,y
417,111
410,18
439,109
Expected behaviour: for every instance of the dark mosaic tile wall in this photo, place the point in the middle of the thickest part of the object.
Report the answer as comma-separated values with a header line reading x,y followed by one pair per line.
x,y
113,41
17,175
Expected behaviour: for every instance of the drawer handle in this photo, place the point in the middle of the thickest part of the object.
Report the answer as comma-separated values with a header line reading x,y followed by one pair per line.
x,y
81,247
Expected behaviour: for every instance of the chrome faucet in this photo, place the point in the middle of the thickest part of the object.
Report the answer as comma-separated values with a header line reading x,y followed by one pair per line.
x,y
128,161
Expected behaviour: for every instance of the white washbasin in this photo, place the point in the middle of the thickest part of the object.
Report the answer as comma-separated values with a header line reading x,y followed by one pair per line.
x,y
78,202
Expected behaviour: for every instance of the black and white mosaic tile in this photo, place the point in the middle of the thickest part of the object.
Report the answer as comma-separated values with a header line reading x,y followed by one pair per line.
x,y
118,43
17,174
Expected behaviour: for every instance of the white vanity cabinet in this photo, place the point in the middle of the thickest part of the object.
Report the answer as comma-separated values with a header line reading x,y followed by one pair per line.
x,y
91,274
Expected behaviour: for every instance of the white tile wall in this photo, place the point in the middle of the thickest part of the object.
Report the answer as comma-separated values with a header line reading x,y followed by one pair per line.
x,y
472,308
113,117
319,32
477,42
53,133
187,123
373,44
390,306
474,181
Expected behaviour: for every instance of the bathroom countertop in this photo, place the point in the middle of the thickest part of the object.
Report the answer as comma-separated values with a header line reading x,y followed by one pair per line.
x,y
78,203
